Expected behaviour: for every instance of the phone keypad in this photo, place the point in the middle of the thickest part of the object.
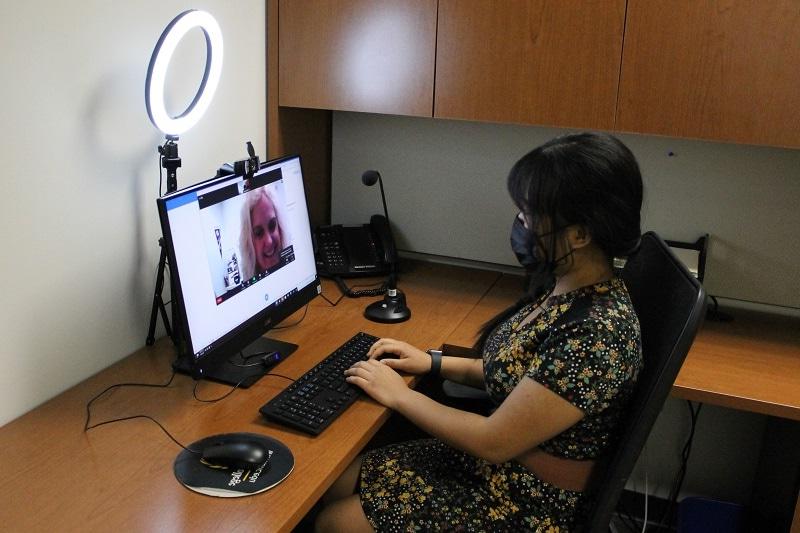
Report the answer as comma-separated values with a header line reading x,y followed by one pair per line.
x,y
332,253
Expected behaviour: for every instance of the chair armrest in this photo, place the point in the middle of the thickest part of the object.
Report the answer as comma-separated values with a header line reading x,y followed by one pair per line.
x,y
452,350
452,389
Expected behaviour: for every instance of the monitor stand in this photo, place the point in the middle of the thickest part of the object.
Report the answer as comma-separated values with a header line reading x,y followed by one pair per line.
x,y
243,368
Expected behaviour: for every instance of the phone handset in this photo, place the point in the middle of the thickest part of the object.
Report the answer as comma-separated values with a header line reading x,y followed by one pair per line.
x,y
379,236
384,233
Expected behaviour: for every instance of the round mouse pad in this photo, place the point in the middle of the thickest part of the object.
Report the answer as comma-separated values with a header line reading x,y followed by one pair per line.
x,y
229,482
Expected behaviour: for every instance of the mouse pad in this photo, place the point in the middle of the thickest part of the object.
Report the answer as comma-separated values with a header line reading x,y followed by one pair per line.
x,y
233,483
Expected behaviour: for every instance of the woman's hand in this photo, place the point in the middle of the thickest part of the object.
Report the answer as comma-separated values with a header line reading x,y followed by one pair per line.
x,y
401,356
382,383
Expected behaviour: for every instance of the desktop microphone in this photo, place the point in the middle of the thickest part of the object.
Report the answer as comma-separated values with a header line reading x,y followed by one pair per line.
x,y
368,178
393,307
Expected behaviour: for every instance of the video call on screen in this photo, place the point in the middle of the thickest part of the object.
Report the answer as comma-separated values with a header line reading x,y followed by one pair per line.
x,y
227,222
240,247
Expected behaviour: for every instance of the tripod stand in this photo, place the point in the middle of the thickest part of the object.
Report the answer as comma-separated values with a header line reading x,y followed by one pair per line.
x,y
170,161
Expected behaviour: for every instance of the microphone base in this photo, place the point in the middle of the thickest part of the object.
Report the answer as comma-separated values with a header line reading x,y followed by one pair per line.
x,y
390,310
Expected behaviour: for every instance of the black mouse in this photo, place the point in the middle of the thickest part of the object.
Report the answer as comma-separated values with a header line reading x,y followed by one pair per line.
x,y
234,455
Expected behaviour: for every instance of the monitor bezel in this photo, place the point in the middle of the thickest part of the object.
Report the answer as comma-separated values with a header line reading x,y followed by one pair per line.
x,y
249,330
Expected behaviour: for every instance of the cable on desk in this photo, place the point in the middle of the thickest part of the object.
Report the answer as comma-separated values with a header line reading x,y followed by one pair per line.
x,y
194,390
333,304
86,426
196,383
305,310
357,291
280,376
373,289
152,420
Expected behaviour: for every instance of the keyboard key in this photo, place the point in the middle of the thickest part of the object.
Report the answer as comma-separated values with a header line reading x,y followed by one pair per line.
x,y
321,394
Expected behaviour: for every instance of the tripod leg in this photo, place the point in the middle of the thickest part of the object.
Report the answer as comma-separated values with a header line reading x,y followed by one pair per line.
x,y
174,308
158,302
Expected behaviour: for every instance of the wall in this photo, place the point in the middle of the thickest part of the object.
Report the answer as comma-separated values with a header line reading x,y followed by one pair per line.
x,y
77,212
745,197
445,188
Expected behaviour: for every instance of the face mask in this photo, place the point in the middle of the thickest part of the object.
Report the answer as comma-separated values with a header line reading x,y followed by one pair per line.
x,y
522,244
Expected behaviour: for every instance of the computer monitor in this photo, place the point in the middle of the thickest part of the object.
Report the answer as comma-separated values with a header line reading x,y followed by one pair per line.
x,y
242,259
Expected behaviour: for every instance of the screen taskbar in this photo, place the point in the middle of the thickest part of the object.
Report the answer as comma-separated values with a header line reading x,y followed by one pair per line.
x,y
237,285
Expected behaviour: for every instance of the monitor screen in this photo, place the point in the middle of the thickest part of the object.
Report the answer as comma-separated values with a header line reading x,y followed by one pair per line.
x,y
242,260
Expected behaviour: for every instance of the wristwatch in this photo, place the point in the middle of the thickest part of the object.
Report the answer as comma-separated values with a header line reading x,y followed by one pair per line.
x,y
436,361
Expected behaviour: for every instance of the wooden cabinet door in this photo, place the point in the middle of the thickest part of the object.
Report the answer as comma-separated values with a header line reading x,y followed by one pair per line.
x,y
358,55
713,69
549,62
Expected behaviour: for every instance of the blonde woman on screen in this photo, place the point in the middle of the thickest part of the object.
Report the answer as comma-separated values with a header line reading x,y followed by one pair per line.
x,y
262,238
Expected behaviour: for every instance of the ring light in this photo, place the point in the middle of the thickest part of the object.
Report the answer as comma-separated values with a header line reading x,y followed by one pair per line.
x,y
159,63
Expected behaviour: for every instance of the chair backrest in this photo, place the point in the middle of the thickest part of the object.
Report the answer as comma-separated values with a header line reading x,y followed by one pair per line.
x,y
670,304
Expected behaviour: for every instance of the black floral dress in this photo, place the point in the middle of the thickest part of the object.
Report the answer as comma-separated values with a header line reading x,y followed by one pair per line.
x,y
584,346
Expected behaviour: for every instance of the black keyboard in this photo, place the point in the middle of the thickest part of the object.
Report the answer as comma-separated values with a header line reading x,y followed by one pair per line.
x,y
320,395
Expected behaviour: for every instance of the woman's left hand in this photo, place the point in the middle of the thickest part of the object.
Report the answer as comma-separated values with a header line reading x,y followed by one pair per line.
x,y
382,383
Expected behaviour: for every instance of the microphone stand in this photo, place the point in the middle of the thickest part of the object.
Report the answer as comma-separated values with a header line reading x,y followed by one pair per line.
x,y
392,308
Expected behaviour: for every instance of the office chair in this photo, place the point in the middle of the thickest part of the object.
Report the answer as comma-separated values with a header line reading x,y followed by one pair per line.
x,y
671,305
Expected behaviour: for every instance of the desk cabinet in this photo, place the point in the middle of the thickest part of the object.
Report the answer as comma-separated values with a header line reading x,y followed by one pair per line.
x,y
721,70
526,62
544,62
724,70
358,55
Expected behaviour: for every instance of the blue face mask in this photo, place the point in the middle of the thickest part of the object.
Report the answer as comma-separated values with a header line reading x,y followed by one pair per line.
x,y
522,244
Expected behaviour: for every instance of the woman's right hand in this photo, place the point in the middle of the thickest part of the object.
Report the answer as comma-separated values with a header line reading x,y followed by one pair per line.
x,y
401,356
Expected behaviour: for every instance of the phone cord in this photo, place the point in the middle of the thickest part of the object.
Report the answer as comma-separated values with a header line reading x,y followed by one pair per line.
x,y
351,293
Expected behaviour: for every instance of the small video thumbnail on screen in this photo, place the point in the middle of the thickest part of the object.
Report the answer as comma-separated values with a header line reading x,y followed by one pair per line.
x,y
246,235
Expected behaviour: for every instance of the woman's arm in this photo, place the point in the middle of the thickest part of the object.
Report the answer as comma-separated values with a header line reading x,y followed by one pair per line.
x,y
402,356
463,370
530,415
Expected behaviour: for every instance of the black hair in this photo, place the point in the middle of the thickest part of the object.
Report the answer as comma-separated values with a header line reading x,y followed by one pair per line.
x,y
586,179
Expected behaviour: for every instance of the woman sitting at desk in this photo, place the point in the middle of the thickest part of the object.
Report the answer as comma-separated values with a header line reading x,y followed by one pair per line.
x,y
559,366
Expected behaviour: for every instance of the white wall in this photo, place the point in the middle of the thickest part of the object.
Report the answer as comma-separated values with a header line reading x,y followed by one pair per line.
x,y
77,208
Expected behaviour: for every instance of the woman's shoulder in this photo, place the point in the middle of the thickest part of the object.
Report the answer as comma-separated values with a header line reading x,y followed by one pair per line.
x,y
613,301
605,306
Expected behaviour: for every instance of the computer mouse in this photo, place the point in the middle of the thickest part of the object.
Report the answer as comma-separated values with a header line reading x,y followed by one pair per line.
x,y
244,454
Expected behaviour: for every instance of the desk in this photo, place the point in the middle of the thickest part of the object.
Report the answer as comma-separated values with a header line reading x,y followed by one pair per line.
x,y
119,476
751,364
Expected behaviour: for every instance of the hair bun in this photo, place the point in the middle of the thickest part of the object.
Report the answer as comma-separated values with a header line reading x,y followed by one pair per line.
x,y
628,247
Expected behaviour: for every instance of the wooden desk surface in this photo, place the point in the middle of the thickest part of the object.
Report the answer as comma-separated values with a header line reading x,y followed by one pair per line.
x,y
751,364
119,476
